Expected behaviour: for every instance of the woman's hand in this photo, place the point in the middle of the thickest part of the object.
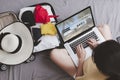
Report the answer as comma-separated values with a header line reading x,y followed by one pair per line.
x,y
81,53
92,43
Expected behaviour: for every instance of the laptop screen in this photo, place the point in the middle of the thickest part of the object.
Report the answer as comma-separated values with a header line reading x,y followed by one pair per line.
x,y
75,24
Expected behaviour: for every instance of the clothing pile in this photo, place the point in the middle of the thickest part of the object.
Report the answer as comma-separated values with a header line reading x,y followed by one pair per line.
x,y
41,20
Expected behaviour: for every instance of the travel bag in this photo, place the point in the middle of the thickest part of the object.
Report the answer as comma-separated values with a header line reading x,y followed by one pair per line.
x,y
45,38
7,18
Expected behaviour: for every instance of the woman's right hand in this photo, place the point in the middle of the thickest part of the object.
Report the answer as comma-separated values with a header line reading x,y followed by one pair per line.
x,y
92,43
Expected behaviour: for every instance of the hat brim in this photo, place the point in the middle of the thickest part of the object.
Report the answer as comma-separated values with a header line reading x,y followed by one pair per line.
x,y
27,44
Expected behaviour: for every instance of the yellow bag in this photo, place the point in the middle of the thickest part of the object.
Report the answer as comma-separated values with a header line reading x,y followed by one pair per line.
x,y
48,29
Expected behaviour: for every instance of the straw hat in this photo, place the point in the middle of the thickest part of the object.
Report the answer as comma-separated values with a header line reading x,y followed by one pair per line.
x,y
16,44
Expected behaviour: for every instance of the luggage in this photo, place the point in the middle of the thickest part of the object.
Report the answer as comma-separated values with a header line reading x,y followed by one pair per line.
x,y
41,42
7,18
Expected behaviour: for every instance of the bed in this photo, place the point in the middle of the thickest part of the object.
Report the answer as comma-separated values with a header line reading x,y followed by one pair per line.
x,y
42,68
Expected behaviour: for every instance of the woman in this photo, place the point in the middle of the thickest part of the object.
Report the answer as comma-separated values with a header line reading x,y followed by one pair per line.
x,y
103,65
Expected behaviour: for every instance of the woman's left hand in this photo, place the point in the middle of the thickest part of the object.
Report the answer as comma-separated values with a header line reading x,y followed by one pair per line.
x,y
81,53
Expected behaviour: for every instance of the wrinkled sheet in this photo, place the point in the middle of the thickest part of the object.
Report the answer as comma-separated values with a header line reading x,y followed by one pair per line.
x,y
104,12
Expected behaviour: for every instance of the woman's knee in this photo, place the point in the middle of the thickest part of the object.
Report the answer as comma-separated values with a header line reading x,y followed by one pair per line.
x,y
106,32
103,26
53,52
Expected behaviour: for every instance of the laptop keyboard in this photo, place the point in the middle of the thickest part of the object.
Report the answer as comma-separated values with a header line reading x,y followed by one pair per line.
x,y
83,41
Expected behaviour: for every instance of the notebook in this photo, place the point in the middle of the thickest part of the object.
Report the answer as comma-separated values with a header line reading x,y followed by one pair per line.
x,y
77,29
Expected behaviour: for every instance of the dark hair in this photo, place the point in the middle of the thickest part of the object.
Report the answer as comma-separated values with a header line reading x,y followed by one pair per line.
x,y
107,58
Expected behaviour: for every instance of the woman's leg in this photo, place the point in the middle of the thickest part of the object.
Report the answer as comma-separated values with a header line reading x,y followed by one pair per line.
x,y
105,30
62,59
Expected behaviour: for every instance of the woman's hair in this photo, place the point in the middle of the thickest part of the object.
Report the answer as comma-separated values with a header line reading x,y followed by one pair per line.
x,y
107,58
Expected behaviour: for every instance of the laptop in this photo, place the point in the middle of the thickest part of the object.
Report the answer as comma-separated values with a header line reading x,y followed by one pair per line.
x,y
77,29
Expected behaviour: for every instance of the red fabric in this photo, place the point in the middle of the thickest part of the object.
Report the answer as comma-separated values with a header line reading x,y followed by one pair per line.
x,y
41,15
51,16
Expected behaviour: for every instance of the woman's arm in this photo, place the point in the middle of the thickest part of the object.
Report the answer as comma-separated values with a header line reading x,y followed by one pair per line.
x,y
81,57
80,69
